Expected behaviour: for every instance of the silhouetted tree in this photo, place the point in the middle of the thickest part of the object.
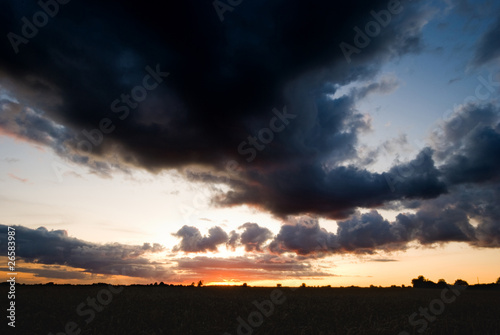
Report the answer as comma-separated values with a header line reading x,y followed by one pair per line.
x,y
418,282
279,285
192,284
461,282
200,283
245,285
422,282
442,283
498,281
303,285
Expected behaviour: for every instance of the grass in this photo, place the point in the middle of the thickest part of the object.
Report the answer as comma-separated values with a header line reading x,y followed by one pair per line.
x,y
215,310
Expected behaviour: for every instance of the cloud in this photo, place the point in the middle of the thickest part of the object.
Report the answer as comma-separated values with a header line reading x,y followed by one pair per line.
x,y
22,180
232,241
244,268
56,247
334,192
254,236
204,110
469,144
303,236
34,126
370,233
473,9
226,81
478,203
487,49
53,272
386,85
193,241
361,234
248,69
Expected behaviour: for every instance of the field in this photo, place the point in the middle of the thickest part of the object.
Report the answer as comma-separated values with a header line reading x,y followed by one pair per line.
x,y
248,310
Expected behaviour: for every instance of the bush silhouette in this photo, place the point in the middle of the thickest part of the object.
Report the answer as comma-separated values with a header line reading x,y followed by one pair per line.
x,y
422,282
461,282
442,283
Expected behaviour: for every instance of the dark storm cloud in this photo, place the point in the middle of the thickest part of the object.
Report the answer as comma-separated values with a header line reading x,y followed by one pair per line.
x,y
470,213
304,236
488,48
34,126
450,133
369,233
469,145
362,233
30,125
478,161
254,236
479,203
436,225
225,78
366,233
335,193
56,247
232,241
467,149
193,241
224,82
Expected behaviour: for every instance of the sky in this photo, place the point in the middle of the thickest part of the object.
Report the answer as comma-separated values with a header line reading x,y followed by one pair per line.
x,y
255,142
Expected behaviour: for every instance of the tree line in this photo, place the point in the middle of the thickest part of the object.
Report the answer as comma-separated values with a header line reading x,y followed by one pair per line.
x,y
422,282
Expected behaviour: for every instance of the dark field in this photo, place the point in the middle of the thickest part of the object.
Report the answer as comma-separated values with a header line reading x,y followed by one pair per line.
x,y
216,310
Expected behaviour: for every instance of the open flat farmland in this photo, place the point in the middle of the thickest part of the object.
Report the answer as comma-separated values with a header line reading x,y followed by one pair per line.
x,y
248,310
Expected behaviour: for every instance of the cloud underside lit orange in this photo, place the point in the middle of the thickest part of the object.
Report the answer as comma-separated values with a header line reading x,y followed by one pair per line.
x,y
233,272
